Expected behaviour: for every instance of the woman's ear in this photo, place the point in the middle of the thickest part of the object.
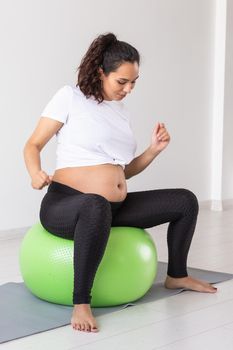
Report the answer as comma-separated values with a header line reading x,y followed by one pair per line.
x,y
101,72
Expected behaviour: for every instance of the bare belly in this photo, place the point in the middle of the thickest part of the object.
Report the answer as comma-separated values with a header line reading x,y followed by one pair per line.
x,y
108,180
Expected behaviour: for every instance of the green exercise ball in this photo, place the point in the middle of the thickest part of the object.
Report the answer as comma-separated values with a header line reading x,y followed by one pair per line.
x,y
125,273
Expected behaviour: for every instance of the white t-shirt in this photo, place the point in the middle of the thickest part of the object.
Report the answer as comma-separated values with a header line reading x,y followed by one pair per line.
x,y
92,133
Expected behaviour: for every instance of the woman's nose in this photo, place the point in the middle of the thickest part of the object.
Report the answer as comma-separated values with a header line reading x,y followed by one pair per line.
x,y
127,88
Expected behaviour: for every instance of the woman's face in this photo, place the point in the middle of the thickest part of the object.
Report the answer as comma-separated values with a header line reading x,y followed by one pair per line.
x,y
119,83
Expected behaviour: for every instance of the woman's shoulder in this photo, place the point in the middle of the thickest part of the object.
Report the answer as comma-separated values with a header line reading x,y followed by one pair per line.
x,y
66,89
75,91
70,89
70,92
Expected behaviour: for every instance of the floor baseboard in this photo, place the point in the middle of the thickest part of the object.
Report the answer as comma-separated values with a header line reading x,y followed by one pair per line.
x,y
13,233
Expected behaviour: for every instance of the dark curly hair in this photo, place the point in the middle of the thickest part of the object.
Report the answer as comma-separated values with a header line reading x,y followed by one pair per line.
x,y
105,52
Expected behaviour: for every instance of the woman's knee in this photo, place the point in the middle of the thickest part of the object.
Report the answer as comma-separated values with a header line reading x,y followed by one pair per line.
x,y
189,201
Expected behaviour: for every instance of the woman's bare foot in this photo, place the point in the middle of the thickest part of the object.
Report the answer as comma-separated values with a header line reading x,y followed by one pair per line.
x,y
82,318
189,283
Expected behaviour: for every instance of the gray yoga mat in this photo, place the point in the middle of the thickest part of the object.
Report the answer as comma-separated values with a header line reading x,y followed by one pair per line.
x,y
23,314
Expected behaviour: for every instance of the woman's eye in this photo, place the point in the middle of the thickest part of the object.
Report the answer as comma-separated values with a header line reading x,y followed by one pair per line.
x,y
122,83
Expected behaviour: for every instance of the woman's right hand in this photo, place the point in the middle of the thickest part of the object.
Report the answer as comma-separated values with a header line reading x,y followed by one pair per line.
x,y
40,179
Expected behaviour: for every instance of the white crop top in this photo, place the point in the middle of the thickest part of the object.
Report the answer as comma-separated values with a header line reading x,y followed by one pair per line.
x,y
92,133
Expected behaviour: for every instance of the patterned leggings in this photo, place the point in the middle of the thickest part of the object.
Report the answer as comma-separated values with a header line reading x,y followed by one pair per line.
x,y
87,219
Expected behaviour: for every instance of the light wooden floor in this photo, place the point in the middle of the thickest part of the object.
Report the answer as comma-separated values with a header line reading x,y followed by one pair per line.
x,y
188,321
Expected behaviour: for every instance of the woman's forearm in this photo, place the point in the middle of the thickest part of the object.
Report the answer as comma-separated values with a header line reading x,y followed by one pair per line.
x,y
139,163
32,158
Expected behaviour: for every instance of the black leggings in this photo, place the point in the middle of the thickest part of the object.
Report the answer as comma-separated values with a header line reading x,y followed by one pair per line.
x,y
87,218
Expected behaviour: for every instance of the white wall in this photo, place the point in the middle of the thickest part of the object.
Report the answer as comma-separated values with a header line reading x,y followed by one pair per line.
x,y
42,43
227,184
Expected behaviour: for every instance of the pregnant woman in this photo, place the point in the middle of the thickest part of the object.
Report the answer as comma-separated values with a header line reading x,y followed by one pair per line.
x,y
87,194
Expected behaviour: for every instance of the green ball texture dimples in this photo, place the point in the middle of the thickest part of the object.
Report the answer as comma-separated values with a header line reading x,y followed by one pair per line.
x,y
126,272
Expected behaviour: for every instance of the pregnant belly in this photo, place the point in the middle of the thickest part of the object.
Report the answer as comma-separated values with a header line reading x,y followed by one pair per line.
x,y
108,180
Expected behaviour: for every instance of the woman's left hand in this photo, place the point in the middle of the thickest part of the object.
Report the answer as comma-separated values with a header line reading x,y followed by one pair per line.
x,y
160,138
